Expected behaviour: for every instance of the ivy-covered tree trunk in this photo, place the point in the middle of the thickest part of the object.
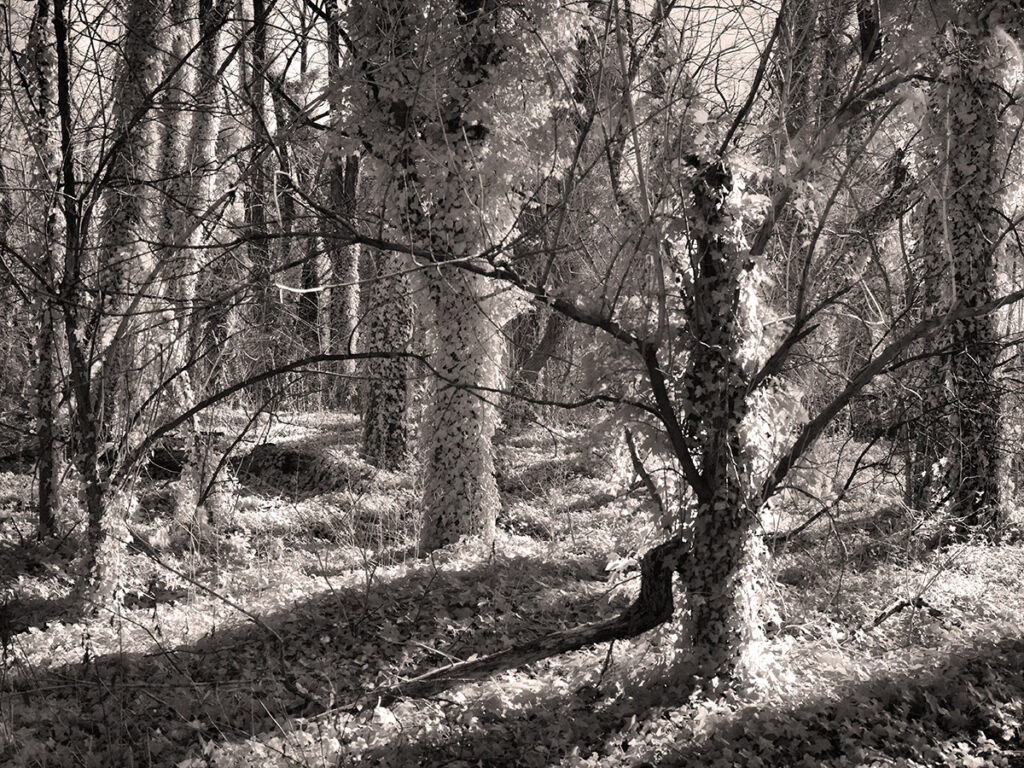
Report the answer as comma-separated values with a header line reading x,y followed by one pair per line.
x,y
45,251
460,493
973,201
435,83
718,575
925,434
389,329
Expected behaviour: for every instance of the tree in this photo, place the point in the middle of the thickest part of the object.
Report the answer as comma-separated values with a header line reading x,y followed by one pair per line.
x,y
972,99
45,255
711,374
430,119
389,327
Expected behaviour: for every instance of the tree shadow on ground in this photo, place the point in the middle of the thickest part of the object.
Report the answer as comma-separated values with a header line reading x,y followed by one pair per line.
x,y
303,470
969,708
142,708
535,477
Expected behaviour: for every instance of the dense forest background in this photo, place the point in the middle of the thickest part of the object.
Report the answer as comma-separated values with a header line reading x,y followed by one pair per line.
x,y
511,382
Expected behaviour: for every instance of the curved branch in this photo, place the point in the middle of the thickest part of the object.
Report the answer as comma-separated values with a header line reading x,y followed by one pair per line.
x,y
169,426
813,429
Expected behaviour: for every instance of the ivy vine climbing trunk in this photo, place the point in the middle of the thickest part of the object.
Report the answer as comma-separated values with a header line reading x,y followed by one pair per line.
x,y
389,329
46,254
973,196
718,574
460,493
446,161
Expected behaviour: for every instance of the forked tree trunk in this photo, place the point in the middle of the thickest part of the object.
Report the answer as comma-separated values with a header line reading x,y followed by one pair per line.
x,y
446,215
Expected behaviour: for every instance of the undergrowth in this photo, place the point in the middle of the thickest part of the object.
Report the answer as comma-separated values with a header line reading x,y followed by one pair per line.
x,y
261,641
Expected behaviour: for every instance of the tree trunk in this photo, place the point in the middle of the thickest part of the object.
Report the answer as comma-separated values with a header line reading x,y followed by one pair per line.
x,y
123,258
460,493
46,253
343,186
265,313
344,313
718,577
389,329
974,196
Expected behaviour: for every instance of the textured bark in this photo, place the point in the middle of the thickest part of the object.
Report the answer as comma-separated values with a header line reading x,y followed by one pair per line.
x,y
123,257
187,156
444,205
389,329
343,186
46,254
345,301
926,436
973,196
717,577
460,493
265,310
124,226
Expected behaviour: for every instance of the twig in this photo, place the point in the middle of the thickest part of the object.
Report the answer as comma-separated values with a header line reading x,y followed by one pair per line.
x,y
641,471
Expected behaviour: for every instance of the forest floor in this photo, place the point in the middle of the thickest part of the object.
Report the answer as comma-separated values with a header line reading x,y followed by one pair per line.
x,y
249,645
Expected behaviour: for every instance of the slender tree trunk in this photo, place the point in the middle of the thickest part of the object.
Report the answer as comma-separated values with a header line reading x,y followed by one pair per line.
x,y
45,252
177,215
265,315
345,300
85,421
343,184
124,255
109,404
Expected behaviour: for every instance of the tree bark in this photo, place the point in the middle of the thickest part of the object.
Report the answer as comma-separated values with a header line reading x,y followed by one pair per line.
x,y
973,199
342,190
389,329
45,254
124,227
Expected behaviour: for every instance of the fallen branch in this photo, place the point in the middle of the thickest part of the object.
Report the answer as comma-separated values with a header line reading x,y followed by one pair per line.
x,y
643,475
652,607
898,606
